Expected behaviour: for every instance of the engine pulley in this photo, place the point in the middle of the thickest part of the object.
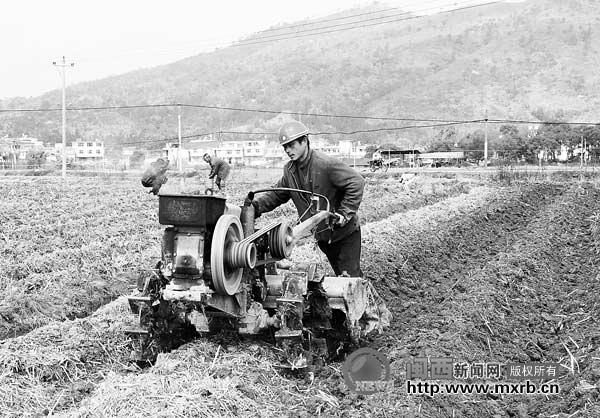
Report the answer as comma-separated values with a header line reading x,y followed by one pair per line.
x,y
229,256
281,240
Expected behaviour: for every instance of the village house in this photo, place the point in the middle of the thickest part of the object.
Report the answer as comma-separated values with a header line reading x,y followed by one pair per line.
x,y
88,150
251,152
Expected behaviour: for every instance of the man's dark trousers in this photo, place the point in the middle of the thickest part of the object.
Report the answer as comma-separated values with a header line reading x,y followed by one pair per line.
x,y
344,254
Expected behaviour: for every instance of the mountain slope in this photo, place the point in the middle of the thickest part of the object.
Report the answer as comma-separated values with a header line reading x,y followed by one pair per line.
x,y
517,60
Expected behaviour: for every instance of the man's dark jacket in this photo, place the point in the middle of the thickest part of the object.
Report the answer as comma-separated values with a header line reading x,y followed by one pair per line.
x,y
341,184
218,168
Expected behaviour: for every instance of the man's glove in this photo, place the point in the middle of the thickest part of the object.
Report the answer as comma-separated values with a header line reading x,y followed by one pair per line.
x,y
254,203
339,220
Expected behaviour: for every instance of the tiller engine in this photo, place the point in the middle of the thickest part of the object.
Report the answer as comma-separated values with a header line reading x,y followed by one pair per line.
x,y
217,271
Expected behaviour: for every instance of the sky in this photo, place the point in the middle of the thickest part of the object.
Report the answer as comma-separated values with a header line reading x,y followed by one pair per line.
x,y
111,37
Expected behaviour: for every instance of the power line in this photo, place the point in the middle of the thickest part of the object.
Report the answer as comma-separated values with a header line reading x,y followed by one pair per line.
x,y
324,115
166,139
219,41
174,138
520,121
493,149
398,128
394,128
195,136
351,23
236,109
361,26
90,108
318,21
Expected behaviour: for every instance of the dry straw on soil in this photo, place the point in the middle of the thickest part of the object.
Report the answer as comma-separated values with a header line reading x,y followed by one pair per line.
x,y
70,247
486,275
57,365
238,379
54,366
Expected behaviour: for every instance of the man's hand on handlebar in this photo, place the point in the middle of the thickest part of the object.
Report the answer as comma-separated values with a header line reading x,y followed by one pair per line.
x,y
339,220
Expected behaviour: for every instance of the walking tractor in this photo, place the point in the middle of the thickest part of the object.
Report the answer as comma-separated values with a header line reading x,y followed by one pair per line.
x,y
218,271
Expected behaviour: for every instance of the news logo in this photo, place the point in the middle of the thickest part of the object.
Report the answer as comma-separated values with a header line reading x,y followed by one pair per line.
x,y
367,371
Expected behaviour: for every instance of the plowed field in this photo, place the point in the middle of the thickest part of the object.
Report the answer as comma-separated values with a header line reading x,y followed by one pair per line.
x,y
492,273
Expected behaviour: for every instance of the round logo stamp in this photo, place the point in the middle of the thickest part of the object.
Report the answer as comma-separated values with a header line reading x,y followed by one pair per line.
x,y
367,371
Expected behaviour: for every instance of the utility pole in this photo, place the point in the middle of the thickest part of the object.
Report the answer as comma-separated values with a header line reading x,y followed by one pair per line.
x,y
179,163
220,123
485,144
179,150
581,154
63,66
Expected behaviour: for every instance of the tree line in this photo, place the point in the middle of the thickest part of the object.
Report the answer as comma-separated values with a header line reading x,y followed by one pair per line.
x,y
547,141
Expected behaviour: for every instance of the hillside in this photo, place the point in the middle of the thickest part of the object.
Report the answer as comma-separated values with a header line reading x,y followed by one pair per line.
x,y
517,60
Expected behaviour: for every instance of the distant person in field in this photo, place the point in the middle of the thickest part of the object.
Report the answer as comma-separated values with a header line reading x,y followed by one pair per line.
x,y
155,175
377,157
219,170
316,172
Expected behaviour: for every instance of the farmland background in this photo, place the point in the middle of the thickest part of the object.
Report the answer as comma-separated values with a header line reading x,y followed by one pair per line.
x,y
534,61
495,266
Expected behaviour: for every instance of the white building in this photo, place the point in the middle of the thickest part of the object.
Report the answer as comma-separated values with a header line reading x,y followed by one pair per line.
x,y
274,153
325,147
88,149
193,151
352,149
254,152
231,151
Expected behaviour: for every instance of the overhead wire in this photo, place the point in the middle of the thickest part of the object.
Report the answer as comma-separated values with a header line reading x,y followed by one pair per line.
x,y
325,115
397,128
168,139
264,110
255,41
263,38
312,114
404,13
392,128
318,21
222,40
434,122
55,109
439,122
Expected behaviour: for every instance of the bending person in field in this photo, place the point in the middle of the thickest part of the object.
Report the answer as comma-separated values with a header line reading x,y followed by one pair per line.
x,y
155,175
219,170
316,172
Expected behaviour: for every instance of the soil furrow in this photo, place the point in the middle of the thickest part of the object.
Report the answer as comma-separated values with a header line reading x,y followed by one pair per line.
x,y
496,274
519,306
422,260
